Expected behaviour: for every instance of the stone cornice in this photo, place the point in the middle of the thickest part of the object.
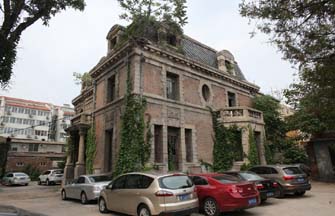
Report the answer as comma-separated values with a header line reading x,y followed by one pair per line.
x,y
84,94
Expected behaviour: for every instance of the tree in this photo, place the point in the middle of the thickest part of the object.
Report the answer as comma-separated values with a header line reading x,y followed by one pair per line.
x,y
160,10
253,152
18,15
304,32
275,128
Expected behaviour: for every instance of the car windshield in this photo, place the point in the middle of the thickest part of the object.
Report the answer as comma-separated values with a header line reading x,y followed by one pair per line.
x,y
226,179
100,178
20,174
175,182
250,176
58,171
292,170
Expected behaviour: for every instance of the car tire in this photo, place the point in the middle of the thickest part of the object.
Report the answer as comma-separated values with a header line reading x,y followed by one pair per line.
x,y
143,210
300,193
281,192
83,198
210,207
63,194
102,205
263,200
47,182
26,184
39,182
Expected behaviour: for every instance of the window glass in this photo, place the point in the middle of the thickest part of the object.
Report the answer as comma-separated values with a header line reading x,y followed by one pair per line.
x,y
146,181
273,171
119,182
226,179
133,181
46,173
199,180
292,170
81,180
251,176
175,182
172,90
101,178
21,174
10,175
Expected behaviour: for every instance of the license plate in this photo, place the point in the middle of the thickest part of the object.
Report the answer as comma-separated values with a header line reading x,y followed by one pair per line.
x,y
269,194
184,197
252,201
301,180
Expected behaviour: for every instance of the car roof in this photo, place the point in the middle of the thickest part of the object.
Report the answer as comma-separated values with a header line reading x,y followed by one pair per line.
x,y
208,174
154,174
276,166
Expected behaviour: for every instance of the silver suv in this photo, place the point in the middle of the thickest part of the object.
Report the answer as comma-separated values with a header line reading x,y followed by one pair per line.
x,y
51,177
290,178
150,194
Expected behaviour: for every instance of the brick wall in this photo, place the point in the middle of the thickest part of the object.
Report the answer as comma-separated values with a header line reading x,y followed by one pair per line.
x,y
41,163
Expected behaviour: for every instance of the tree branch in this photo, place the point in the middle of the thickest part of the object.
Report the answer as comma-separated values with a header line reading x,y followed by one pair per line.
x,y
4,27
15,35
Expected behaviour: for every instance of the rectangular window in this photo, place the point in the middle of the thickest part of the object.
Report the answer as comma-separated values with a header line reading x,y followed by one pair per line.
x,y
111,89
19,164
188,144
172,87
33,147
231,99
12,120
158,136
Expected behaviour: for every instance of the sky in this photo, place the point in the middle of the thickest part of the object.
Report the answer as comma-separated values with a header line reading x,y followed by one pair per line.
x,y
75,41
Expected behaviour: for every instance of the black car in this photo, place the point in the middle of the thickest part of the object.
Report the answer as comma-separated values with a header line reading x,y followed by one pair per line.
x,y
267,188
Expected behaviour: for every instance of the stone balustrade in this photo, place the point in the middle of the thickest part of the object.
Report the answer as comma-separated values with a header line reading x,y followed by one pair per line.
x,y
241,114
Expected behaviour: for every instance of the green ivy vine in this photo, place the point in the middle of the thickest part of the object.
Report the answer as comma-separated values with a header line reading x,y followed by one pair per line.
x,y
90,149
253,153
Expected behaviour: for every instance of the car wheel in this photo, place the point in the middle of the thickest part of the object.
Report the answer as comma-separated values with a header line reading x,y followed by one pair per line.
x,y
210,207
63,194
102,205
281,192
83,198
300,193
39,182
263,200
47,182
26,184
143,210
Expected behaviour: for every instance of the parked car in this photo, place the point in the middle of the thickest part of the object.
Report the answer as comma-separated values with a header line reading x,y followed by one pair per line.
x,y
266,187
16,178
221,193
49,177
150,194
291,179
86,187
304,168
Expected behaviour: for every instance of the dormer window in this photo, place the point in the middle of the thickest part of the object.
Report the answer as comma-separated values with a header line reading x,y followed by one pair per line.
x,y
112,43
171,39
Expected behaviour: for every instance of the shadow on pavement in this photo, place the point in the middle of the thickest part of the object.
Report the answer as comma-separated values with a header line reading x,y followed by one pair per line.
x,y
13,211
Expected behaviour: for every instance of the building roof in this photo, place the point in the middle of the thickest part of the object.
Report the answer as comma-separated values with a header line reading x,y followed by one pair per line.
x,y
204,54
27,141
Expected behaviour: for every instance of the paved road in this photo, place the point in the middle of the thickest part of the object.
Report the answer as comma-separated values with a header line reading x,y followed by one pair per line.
x,y
46,200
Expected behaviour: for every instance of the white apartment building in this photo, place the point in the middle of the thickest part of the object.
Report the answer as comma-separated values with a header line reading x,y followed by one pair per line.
x,y
27,119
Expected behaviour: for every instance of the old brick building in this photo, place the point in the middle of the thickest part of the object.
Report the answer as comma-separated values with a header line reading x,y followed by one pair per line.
x,y
180,78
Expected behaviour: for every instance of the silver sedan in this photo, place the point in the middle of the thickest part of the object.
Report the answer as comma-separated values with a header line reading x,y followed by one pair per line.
x,y
85,188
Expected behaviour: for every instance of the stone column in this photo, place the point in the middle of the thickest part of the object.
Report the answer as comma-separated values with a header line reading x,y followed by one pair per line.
x,y
69,169
182,151
80,165
261,148
245,143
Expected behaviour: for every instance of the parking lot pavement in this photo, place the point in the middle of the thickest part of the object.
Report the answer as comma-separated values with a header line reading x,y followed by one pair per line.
x,y
46,200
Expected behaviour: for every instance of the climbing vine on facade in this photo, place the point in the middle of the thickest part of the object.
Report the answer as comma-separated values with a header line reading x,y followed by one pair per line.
x,y
223,155
90,150
134,150
253,153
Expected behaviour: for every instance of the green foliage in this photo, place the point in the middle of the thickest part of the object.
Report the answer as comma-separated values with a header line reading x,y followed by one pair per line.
x,y
304,32
90,150
245,166
131,155
253,152
69,146
61,165
161,10
33,172
223,154
208,166
294,154
4,148
17,17
85,79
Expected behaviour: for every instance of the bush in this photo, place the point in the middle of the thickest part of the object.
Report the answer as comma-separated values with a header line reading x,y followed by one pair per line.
x,y
294,154
245,166
33,172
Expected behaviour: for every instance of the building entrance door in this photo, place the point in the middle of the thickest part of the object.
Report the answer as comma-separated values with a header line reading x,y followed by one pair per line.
x,y
173,148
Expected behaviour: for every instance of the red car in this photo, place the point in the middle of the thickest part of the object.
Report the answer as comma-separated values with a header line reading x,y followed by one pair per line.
x,y
224,193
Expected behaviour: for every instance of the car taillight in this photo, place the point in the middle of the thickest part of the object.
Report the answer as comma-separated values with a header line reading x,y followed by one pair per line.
x,y
234,189
260,186
275,184
163,193
286,178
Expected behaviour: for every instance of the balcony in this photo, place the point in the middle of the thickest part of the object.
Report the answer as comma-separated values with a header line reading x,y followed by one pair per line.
x,y
81,119
241,115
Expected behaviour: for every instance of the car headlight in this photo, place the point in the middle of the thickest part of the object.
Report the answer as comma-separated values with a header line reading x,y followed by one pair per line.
x,y
97,188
